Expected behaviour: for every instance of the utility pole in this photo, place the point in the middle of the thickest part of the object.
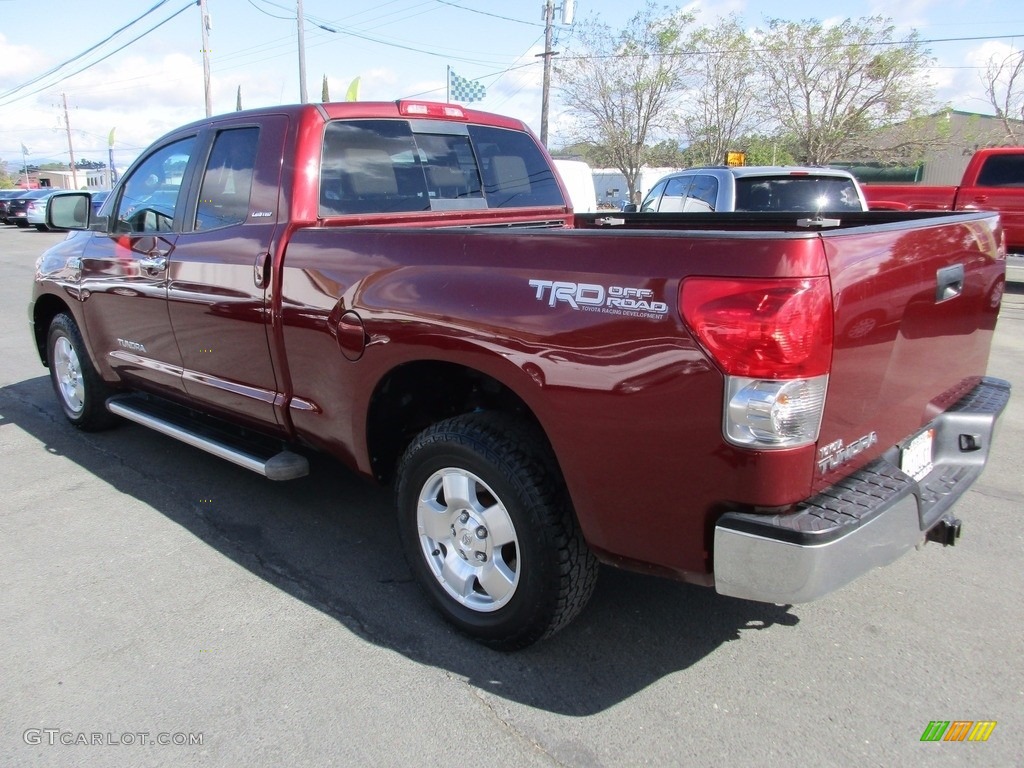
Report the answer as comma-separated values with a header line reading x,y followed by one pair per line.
x,y
300,18
549,13
568,8
71,149
205,19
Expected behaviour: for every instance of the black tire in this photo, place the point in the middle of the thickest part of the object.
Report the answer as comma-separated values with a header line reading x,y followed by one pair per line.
x,y
42,228
498,550
81,393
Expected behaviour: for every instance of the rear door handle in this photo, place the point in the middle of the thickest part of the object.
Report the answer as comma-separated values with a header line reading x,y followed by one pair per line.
x,y
949,283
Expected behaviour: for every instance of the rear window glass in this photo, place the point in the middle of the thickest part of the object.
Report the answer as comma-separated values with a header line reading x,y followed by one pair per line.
x,y
796,193
383,166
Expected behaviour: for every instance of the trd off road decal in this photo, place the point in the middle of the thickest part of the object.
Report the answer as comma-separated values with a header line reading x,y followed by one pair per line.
x,y
609,300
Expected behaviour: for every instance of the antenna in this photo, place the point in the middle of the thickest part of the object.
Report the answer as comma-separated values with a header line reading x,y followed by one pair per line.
x,y
568,11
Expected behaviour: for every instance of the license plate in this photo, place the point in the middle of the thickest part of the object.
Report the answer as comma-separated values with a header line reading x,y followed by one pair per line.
x,y
916,457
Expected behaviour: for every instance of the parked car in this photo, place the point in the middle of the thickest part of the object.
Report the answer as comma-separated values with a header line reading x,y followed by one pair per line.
x,y
16,206
754,188
6,195
35,210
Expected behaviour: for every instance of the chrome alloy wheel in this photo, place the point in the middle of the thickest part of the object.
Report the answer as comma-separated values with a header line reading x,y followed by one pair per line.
x,y
468,539
69,375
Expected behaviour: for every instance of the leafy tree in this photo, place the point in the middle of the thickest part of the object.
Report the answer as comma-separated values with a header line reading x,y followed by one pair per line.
x,y
1004,86
723,105
833,87
624,88
6,179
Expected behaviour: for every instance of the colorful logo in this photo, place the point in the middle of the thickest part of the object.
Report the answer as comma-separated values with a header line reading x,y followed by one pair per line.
x,y
958,730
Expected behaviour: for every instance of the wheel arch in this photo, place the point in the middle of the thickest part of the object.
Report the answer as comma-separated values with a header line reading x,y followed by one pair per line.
x,y
45,308
416,394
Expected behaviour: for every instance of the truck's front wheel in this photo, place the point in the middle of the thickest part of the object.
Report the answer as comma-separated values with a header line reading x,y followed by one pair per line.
x,y
488,530
81,393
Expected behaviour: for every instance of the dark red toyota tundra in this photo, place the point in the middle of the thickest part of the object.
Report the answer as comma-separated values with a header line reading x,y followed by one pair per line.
x,y
769,404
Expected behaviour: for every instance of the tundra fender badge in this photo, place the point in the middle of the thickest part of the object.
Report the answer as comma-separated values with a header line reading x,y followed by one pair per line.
x,y
134,346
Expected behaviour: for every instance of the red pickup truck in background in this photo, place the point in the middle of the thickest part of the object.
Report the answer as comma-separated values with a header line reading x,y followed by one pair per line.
x,y
992,181
404,286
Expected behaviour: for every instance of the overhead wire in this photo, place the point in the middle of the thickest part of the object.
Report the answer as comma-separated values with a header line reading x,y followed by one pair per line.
x,y
73,59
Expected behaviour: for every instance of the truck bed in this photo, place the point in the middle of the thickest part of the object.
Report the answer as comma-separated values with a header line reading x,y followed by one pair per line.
x,y
615,391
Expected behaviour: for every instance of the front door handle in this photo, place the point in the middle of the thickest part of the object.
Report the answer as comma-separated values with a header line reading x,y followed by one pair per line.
x,y
154,264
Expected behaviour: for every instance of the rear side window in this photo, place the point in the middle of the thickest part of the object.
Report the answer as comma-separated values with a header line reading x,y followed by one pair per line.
x,y
703,194
227,179
796,193
383,166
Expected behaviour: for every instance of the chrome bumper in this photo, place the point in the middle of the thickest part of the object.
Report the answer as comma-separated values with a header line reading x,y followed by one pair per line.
x,y
865,521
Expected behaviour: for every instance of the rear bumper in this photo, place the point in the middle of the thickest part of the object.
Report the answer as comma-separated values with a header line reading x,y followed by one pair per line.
x,y
865,521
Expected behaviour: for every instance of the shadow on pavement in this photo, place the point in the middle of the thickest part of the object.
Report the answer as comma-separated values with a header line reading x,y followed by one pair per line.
x,y
330,540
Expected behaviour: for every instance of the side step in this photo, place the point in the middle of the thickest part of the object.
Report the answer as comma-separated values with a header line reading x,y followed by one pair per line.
x,y
175,422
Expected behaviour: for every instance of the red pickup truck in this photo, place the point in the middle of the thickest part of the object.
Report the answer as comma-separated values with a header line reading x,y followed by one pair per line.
x,y
403,286
992,181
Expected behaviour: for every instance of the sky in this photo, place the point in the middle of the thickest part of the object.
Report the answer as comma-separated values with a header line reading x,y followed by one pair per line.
x,y
85,52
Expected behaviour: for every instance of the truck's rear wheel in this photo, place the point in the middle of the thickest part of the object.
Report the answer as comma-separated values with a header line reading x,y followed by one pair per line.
x,y
488,530
81,393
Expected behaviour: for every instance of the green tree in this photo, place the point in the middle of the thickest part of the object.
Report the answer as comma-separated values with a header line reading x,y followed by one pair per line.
x,y
832,87
722,105
623,89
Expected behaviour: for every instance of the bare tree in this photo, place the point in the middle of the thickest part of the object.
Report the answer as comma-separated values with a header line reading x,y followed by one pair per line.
x,y
833,87
624,88
722,105
1004,86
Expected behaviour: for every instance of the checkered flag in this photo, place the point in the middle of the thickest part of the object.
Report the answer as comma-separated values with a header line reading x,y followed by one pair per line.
x,y
461,89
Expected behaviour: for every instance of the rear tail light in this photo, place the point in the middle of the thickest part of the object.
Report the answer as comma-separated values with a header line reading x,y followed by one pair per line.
x,y
773,340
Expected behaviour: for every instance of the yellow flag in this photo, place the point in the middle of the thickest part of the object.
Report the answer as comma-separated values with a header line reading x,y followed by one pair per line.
x,y
352,94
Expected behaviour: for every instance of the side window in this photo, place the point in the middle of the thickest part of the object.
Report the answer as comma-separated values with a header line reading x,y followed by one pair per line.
x,y
703,195
227,180
1002,171
650,202
151,194
673,201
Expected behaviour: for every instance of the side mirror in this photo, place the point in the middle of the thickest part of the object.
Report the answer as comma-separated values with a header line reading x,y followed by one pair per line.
x,y
68,211
629,208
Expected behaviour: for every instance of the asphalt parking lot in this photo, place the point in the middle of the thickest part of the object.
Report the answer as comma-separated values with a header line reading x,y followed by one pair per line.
x,y
159,607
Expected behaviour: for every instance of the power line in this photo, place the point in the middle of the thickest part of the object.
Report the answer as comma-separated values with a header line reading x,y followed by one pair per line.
x,y
4,100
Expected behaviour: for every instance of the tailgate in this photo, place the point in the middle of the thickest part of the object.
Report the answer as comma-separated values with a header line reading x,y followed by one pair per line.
x,y
915,309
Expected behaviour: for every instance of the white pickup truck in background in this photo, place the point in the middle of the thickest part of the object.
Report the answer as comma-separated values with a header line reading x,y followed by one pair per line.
x,y
754,188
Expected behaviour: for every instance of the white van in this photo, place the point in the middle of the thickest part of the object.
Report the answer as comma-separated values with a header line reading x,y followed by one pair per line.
x,y
579,180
